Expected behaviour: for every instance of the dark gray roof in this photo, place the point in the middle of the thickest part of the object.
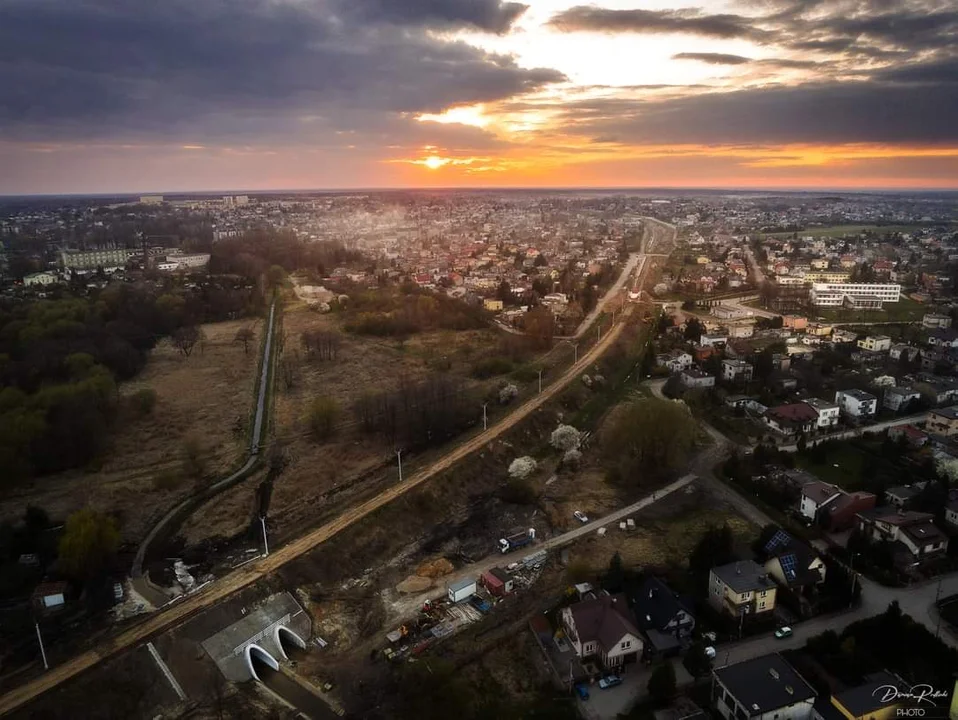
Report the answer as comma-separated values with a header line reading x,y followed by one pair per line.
x,y
744,576
764,684
905,492
655,604
604,619
951,413
868,698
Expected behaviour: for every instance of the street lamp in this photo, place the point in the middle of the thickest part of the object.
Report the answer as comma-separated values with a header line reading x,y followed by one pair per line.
x,y
262,522
399,457
485,422
851,566
575,354
540,380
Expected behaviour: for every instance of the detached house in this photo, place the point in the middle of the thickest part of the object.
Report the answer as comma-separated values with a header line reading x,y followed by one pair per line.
x,y
736,371
792,419
857,403
900,398
603,627
675,361
828,412
763,688
943,421
831,507
794,566
741,588
914,535
664,618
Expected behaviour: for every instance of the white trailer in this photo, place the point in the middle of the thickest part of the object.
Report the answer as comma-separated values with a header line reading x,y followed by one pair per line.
x,y
462,590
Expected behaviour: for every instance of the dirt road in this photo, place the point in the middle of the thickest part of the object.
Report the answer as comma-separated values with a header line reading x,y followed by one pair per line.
x,y
179,611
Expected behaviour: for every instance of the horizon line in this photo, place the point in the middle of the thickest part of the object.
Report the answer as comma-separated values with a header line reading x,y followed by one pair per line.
x,y
480,188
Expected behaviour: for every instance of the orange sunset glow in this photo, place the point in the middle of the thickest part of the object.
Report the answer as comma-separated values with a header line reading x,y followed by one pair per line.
x,y
624,93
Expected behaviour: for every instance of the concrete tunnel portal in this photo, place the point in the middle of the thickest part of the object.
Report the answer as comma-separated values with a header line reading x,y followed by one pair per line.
x,y
287,639
262,656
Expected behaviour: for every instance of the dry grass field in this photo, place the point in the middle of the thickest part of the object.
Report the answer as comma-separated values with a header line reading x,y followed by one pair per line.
x,y
200,397
363,364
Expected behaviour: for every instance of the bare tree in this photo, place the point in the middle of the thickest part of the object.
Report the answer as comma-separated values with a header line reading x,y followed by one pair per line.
x,y
185,339
321,344
245,335
289,370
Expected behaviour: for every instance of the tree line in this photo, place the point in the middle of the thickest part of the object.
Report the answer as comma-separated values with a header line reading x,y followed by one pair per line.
x,y
253,253
60,360
420,414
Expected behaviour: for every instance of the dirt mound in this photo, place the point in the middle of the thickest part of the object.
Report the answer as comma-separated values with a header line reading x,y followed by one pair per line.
x,y
435,568
414,584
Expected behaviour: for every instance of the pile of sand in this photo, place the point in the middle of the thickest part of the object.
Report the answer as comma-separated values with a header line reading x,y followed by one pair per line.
x,y
435,568
414,584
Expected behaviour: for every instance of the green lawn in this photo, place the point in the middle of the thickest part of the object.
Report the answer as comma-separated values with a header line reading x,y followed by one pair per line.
x,y
905,310
840,230
849,461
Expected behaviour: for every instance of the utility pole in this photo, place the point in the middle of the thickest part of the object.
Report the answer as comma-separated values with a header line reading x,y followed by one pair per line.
x,y
613,317
540,380
399,456
938,610
43,653
598,333
575,354
262,522
851,566
485,422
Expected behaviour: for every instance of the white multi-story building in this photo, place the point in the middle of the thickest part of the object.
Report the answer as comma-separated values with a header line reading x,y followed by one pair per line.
x,y
875,343
40,278
93,259
857,403
828,412
834,294
192,260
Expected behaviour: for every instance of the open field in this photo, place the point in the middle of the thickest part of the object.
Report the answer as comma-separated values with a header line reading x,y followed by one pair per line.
x,y
205,396
841,230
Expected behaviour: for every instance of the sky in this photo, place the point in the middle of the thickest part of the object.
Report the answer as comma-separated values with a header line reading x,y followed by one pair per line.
x,y
119,96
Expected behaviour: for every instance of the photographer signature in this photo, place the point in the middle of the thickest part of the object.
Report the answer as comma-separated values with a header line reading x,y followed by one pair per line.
x,y
918,694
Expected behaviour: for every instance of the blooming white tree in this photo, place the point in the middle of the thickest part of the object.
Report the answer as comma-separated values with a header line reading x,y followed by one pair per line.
x,y
565,438
508,394
572,458
523,467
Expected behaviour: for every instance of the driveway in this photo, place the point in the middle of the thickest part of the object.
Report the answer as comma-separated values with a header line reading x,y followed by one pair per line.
x,y
609,704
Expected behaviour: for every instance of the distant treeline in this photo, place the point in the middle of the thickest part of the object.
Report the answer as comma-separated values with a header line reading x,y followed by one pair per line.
x,y
60,360
252,254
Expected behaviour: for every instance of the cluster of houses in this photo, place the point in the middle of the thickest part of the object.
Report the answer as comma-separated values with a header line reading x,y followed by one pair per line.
x,y
655,622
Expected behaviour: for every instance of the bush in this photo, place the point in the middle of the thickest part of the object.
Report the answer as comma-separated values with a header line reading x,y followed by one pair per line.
x,y
321,417
143,401
490,367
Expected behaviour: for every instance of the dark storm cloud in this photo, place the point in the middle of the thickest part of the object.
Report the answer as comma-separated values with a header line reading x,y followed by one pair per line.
x,y
489,15
693,22
724,59
865,27
260,68
713,58
820,113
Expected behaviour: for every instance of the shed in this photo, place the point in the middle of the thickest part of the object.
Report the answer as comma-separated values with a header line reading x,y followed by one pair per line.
x,y
49,597
497,581
461,590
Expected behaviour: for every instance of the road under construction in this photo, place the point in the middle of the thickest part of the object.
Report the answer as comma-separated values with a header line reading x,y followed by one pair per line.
x,y
659,237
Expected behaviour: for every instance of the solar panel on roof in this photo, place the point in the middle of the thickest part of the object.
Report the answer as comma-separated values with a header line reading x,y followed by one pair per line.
x,y
779,539
789,564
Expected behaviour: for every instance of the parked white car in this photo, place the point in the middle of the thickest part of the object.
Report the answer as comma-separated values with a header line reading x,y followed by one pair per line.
x,y
581,516
710,652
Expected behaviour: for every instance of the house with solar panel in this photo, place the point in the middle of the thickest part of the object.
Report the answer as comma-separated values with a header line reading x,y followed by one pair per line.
x,y
797,568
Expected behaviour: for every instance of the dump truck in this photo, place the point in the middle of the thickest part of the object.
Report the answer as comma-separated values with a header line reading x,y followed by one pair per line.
x,y
516,540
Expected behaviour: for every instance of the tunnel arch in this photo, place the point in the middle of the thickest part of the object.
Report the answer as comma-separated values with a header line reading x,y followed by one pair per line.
x,y
262,655
291,636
